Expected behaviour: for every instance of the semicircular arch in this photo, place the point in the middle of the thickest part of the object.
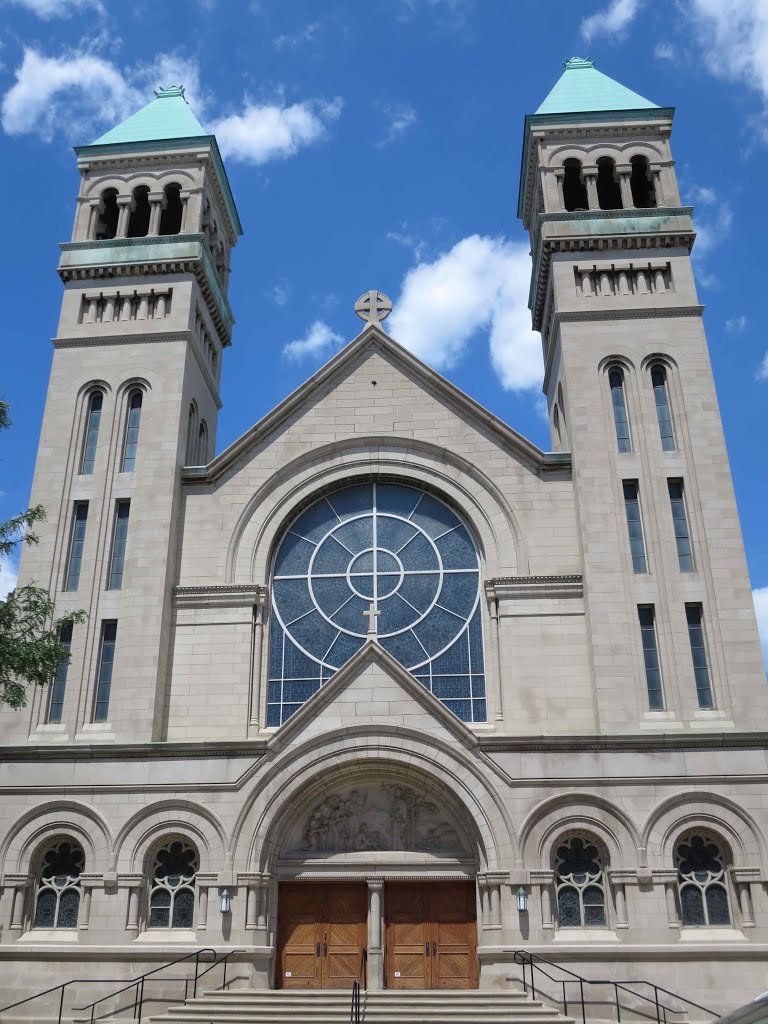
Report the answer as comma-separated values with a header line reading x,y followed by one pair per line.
x,y
53,818
180,817
681,812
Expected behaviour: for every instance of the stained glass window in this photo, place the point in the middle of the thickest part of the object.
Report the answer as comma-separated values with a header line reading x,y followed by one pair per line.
x,y
131,443
385,548
663,414
579,884
91,439
172,889
701,879
57,902
620,417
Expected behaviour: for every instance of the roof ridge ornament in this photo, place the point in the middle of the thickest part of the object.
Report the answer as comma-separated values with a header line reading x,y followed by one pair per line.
x,y
574,63
373,306
166,92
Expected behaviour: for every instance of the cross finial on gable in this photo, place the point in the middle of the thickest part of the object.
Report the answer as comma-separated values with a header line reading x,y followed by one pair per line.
x,y
372,614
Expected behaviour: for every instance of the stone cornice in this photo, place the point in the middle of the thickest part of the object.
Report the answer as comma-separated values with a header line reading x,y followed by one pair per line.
x,y
635,313
219,596
535,586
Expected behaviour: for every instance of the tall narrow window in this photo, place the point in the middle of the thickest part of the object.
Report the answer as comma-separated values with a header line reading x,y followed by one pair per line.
x,y
57,901
580,885
647,619
620,418
76,544
695,617
663,414
680,523
202,444
91,432
104,677
574,189
635,526
59,684
701,881
132,433
171,217
119,538
172,889
608,190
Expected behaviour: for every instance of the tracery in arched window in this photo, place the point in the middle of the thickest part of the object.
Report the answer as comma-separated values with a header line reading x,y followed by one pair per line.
x,y
701,865
172,889
580,884
390,548
57,901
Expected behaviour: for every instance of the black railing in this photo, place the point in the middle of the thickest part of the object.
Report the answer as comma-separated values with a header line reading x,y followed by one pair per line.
x,y
359,985
137,983
645,1006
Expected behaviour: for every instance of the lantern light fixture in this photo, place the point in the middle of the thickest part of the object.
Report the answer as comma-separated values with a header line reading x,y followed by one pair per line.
x,y
226,901
522,900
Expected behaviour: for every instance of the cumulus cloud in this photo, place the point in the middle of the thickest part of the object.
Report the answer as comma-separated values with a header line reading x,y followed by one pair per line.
x,y
736,324
48,9
733,36
399,118
272,131
293,40
762,373
611,20
664,51
79,92
8,575
480,285
318,341
760,597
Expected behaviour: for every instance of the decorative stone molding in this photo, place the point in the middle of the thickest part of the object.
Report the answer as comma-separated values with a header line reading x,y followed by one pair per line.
x,y
234,596
534,586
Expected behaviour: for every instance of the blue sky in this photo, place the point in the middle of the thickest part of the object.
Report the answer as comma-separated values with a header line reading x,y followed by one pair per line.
x,y
377,145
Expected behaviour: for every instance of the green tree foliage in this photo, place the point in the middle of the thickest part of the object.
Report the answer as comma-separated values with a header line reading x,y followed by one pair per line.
x,y
30,651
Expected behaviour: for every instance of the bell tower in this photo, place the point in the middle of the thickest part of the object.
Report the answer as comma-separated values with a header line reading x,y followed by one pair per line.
x,y
133,397
670,621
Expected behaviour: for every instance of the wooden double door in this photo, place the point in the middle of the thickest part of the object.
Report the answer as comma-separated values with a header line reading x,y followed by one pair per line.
x,y
431,935
323,930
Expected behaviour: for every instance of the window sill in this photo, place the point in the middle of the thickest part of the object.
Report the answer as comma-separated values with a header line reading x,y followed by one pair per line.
x,y
712,935
165,935
50,935
96,732
585,935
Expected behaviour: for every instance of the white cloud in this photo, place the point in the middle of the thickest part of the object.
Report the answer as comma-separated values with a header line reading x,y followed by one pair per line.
x,y
480,285
760,597
736,324
400,117
664,51
318,341
77,92
280,292
274,131
762,373
301,38
611,20
47,9
8,575
733,35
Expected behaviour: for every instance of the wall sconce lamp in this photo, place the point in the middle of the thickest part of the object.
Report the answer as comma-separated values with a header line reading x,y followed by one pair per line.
x,y
522,900
226,901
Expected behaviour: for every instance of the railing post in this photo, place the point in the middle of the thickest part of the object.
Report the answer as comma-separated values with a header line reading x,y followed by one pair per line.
x,y
141,998
226,960
656,996
618,1004
565,999
61,1002
197,964
583,1007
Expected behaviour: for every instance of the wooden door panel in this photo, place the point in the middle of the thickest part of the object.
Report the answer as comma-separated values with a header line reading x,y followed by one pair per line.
x,y
345,915
300,931
407,935
455,935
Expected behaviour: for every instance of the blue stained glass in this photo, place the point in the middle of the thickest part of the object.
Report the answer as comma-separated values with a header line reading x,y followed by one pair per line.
x,y
363,585
461,708
331,557
292,597
461,595
479,713
436,630
420,591
388,584
450,686
274,715
289,709
352,500
395,615
330,594
406,648
315,522
297,665
363,563
293,556
418,555
393,533
351,617
357,535
434,517
476,642
457,550
314,634
274,690
343,648
299,689
399,501
455,659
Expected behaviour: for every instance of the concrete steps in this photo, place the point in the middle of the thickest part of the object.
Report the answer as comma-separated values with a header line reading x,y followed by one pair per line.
x,y
331,1006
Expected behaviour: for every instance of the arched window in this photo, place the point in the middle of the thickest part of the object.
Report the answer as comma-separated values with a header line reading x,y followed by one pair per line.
x,y
556,424
202,444
663,413
384,557
580,884
701,864
131,444
574,189
619,403
91,438
106,225
170,218
138,222
643,192
189,458
608,190
172,888
57,900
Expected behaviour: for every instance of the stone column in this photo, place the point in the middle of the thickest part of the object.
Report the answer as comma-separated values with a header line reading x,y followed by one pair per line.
x,y
261,920
658,188
743,879
109,309
545,881
96,207
157,203
132,923
251,882
669,880
202,908
560,179
590,180
258,643
184,196
624,172
87,885
375,946
143,311
495,676
161,302
125,205
19,885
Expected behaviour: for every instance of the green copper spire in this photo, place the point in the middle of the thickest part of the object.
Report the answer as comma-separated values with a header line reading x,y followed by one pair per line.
x,y
168,116
582,89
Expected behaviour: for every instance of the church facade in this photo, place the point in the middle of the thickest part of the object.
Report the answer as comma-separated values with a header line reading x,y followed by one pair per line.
x,y
382,674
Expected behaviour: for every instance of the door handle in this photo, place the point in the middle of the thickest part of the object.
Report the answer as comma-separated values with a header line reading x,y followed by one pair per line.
x,y
325,945
434,949
317,949
426,949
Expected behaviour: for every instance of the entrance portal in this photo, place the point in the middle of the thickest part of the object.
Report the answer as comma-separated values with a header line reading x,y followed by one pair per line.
x,y
322,933
431,935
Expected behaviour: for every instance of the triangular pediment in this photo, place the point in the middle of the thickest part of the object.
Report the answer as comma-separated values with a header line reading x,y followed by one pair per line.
x,y
374,341
373,689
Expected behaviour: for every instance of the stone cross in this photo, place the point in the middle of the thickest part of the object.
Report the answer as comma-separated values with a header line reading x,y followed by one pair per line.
x,y
372,614
373,306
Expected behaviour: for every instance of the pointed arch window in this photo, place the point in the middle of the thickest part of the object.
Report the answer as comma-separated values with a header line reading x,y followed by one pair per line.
x,y
202,444
57,900
91,438
377,547
133,421
172,888
620,416
580,884
701,877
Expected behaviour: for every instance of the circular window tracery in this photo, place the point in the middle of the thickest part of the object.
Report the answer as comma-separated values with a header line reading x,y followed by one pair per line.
x,y
386,548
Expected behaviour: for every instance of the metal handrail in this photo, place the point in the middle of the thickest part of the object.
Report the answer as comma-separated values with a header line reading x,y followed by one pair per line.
x,y
357,988
136,982
533,961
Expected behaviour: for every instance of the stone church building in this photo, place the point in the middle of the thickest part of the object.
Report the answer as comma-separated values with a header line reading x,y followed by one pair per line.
x,y
382,674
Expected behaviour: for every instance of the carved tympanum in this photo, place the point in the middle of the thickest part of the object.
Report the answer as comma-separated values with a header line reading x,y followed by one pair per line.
x,y
383,817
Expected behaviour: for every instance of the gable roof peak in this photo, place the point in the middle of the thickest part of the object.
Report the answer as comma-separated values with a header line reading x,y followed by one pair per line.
x,y
582,89
168,116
